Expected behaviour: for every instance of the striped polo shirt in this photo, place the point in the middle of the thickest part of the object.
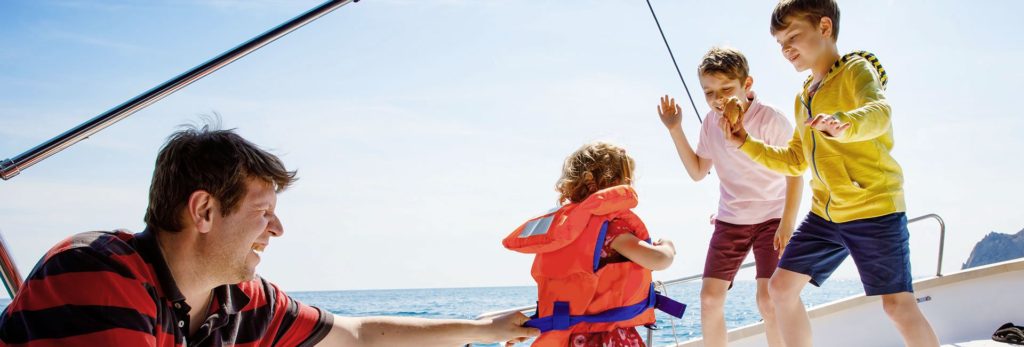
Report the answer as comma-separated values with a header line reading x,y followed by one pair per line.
x,y
114,288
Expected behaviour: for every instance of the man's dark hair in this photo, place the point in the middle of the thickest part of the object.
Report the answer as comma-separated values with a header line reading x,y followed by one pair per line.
x,y
810,10
207,158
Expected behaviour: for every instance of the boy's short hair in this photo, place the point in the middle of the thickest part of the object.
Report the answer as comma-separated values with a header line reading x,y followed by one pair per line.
x,y
725,60
810,10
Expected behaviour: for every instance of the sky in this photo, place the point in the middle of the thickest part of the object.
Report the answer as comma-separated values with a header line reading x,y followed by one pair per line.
x,y
425,131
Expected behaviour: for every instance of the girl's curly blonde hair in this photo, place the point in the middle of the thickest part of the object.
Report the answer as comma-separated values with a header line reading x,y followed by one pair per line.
x,y
595,166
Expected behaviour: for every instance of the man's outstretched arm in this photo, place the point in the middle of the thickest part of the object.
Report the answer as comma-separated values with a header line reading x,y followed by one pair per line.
x,y
407,331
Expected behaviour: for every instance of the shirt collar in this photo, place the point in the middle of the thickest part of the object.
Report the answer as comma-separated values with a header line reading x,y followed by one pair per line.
x,y
150,251
755,103
230,298
228,301
831,72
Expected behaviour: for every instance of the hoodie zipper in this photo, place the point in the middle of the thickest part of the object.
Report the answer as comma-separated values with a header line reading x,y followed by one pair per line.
x,y
814,149
814,141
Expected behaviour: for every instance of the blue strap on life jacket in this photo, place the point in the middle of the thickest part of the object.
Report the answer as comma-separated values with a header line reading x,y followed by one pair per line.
x,y
560,319
601,236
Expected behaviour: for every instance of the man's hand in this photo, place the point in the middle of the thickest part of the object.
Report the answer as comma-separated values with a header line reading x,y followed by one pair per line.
x,y
671,114
782,236
828,125
508,329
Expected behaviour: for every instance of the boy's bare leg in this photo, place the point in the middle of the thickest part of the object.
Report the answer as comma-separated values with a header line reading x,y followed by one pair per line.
x,y
906,315
712,312
771,323
784,288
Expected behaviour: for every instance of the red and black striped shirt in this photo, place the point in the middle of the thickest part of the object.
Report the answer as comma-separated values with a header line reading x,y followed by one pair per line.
x,y
114,288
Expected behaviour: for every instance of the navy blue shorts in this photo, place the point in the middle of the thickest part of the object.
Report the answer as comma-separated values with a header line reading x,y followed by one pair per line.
x,y
880,248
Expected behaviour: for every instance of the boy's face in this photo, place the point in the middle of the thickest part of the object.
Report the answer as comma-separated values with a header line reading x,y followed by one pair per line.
x,y
803,43
718,88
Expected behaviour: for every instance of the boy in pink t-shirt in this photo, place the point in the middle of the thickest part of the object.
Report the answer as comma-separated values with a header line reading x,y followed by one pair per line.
x,y
757,208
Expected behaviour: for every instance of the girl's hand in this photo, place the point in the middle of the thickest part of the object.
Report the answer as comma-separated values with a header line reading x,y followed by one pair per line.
x,y
666,242
671,114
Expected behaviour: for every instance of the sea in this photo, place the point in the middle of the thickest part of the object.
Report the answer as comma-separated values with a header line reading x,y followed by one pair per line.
x,y
467,303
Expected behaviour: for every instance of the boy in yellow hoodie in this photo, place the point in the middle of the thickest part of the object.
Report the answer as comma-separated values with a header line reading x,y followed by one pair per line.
x,y
844,134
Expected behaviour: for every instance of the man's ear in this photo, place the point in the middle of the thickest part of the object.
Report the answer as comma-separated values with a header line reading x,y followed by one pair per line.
x,y
825,26
201,209
749,83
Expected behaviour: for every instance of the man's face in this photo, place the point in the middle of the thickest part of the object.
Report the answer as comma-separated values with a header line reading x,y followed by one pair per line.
x,y
803,43
236,241
718,88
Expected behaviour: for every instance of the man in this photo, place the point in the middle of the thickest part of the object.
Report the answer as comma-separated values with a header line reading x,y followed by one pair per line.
x,y
189,279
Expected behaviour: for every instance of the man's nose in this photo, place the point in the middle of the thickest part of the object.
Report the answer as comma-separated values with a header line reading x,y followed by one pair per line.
x,y
275,227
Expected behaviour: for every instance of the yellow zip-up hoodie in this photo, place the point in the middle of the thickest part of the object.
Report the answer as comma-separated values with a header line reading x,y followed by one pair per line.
x,y
853,176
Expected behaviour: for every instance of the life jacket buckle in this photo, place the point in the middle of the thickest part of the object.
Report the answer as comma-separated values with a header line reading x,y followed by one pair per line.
x,y
560,316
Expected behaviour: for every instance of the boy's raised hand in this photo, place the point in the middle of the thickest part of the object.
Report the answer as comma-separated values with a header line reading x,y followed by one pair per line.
x,y
671,114
827,124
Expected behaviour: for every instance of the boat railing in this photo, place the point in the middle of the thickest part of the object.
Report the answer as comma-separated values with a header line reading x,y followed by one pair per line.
x,y
662,286
942,237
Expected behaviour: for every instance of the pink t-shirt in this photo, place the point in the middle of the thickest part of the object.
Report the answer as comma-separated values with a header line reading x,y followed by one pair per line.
x,y
750,193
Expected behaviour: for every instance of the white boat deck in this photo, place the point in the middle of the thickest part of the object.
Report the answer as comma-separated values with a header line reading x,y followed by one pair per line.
x,y
964,306
977,343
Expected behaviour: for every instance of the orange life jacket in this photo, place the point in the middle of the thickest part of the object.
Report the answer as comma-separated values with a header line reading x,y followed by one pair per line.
x,y
575,294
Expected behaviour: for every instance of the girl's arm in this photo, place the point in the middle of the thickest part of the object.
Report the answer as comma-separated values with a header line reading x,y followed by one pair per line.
x,y
657,256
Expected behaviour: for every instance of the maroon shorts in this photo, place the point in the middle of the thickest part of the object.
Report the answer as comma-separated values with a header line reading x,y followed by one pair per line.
x,y
730,244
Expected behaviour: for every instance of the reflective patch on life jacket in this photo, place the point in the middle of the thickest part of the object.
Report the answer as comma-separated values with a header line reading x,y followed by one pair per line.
x,y
539,226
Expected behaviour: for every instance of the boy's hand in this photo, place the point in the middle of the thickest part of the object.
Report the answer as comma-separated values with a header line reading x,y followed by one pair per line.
x,y
828,125
508,328
671,114
732,110
782,236
734,133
